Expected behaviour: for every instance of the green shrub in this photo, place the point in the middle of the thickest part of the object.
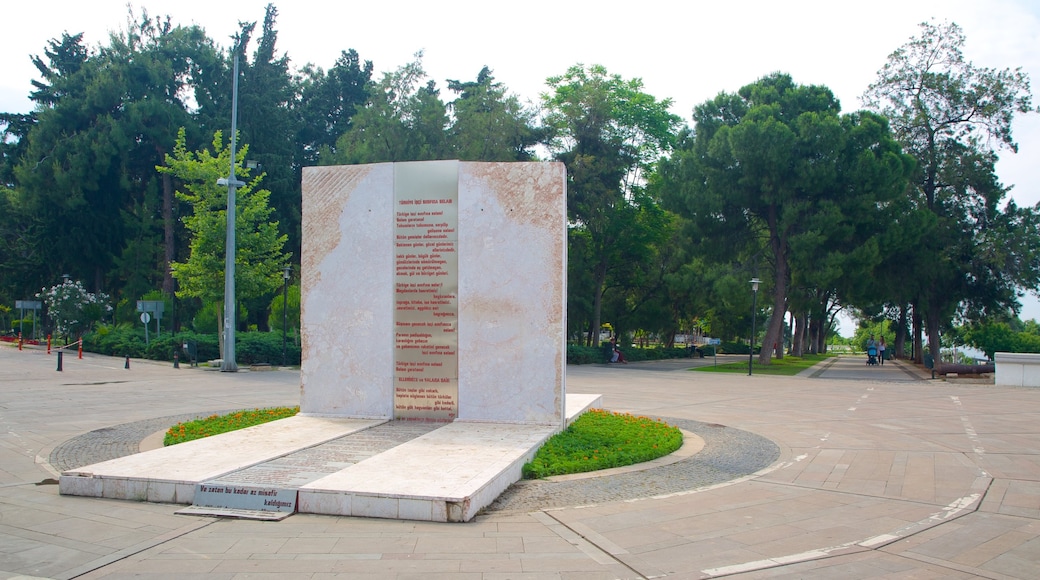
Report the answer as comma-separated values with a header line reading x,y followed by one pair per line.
x,y
128,340
601,439
265,347
578,354
733,348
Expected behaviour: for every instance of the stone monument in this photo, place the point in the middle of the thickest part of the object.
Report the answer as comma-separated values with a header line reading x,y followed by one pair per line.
x,y
435,290
431,291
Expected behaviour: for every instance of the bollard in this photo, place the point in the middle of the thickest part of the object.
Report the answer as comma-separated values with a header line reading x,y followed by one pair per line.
x,y
19,341
81,349
48,344
127,365
176,361
59,361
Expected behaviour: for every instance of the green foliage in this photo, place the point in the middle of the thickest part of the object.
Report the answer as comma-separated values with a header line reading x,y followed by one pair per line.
x,y
265,347
279,312
600,439
217,424
129,340
579,354
608,132
208,318
993,337
404,120
953,116
776,171
258,256
489,124
328,102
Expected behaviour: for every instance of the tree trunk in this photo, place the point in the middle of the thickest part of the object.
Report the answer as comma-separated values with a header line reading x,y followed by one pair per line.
x,y
169,246
900,342
934,346
597,301
798,335
918,346
774,332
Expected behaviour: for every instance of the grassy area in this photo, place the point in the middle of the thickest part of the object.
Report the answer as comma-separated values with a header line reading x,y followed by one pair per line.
x,y
217,424
787,366
601,439
597,440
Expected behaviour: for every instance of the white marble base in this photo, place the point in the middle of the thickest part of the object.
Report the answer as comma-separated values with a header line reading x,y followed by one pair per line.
x,y
1017,369
169,474
447,475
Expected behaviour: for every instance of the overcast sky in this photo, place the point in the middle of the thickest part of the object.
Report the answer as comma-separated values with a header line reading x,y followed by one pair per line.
x,y
684,51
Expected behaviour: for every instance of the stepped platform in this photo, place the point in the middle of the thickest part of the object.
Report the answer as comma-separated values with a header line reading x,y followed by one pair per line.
x,y
352,467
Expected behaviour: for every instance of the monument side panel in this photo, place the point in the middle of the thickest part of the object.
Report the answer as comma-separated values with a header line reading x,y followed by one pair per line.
x,y
512,255
347,291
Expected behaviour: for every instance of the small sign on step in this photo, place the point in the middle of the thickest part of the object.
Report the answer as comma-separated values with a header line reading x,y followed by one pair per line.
x,y
247,497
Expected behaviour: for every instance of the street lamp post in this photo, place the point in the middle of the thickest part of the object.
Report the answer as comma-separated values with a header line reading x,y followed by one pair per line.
x,y
285,306
228,363
754,307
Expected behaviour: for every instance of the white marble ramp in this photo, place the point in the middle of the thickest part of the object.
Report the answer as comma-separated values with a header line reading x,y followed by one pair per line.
x,y
449,474
446,475
169,474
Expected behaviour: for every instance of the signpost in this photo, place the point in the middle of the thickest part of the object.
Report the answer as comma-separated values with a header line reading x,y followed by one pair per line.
x,y
715,351
23,305
150,309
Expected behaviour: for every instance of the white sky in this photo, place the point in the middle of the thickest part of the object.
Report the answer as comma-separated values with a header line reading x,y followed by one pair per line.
x,y
685,51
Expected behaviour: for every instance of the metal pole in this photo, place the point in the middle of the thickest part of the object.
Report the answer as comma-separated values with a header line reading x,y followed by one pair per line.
x,y
228,363
754,308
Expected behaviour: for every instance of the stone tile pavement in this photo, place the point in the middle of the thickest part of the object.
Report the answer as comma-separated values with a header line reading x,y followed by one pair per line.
x,y
874,473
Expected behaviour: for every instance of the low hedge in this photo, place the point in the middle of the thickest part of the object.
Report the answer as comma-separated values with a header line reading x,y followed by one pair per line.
x,y
250,347
580,355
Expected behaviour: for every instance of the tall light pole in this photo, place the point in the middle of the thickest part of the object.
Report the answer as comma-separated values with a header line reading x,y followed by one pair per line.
x,y
285,305
754,307
228,363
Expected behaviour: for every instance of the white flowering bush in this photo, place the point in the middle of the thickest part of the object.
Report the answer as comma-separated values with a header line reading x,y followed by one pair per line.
x,y
71,308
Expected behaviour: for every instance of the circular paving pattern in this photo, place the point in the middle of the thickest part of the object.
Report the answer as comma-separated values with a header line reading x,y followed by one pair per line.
x,y
728,454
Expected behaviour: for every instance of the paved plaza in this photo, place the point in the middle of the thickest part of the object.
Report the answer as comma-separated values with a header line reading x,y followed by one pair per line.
x,y
845,471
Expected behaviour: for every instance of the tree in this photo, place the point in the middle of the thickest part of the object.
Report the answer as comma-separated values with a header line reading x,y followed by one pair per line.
x,y
775,172
404,120
104,119
489,124
71,308
608,132
266,98
258,258
328,102
953,117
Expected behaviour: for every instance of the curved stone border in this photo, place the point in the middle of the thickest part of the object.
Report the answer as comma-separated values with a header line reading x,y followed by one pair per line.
x,y
116,441
728,454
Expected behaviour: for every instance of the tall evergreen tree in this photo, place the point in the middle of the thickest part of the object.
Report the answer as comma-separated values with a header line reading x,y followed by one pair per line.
x,y
489,124
266,97
953,117
328,102
608,132
776,172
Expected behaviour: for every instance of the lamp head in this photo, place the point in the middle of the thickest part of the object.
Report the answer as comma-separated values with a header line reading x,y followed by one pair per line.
x,y
754,284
